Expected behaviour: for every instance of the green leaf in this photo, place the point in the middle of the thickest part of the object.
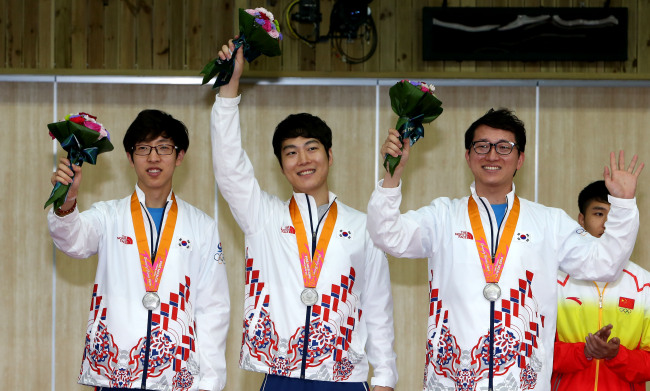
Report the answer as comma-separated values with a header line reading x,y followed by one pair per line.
x,y
209,71
58,195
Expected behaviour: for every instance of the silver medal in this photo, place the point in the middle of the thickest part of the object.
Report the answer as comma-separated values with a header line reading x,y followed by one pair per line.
x,y
492,292
151,301
309,296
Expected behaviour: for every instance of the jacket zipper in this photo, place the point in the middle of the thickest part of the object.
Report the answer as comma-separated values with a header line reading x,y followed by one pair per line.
x,y
314,234
494,241
147,342
600,325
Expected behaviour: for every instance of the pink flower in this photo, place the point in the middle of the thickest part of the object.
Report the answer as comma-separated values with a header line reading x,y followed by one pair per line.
x,y
93,125
89,121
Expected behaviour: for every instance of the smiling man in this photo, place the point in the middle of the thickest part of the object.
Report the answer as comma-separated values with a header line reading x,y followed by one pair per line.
x,y
317,305
603,328
493,260
160,303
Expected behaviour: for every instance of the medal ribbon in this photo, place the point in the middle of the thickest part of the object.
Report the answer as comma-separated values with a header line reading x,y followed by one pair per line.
x,y
152,273
311,268
492,269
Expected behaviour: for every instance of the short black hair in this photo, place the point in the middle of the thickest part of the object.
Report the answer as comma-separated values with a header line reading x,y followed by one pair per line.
x,y
301,125
151,124
595,191
504,119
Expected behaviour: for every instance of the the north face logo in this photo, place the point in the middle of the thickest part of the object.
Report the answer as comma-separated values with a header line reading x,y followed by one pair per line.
x,y
288,230
125,239
464,235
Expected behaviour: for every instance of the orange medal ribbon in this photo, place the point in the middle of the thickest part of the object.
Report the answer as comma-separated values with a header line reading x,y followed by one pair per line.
x,y
152,273
311,268
492,269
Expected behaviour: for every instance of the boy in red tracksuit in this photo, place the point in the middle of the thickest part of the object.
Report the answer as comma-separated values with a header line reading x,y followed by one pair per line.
x,y
617,355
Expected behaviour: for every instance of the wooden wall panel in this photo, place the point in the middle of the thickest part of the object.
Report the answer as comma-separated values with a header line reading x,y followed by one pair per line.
x,y
111,25
45,39
3,28
578,129
126,53
642,63
96,33
180,36
79,37
26,279
161,37
62,32
15,22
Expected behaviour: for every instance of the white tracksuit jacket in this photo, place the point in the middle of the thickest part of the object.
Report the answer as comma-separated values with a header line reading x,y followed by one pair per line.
x,y
352,323
188,330
545,240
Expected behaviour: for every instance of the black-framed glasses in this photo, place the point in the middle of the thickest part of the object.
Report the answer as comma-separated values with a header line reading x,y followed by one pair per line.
x,y
501,147
162,149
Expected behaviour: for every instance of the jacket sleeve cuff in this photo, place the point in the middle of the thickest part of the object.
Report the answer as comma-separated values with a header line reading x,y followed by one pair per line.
x,y
227,102
620,359
383,381
388,190
211,385
627,203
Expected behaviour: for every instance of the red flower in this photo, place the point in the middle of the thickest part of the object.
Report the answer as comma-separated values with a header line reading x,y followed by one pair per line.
x,y
89,115
77,120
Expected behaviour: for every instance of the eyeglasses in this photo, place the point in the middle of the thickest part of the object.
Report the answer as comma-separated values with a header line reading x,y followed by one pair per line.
x,y
162,149
501,147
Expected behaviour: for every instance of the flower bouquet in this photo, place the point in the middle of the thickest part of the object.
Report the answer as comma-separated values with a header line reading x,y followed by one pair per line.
x,y
259,33
415,104
83,138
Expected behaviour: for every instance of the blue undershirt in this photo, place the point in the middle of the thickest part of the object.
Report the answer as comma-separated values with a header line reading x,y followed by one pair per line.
x,y
157,214
499,212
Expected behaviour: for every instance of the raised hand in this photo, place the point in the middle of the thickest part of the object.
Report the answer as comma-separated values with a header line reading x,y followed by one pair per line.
x,y
392,146
621,182
64,174
230,90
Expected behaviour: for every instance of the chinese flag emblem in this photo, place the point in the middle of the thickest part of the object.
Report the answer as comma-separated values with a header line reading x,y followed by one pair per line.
x,y
624,302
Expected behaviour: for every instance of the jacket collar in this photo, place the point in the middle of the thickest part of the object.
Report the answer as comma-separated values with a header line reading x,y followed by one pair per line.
x,y
510,197
306,203
142,197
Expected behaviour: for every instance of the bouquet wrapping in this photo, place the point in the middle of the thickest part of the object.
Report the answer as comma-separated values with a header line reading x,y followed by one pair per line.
x,y
259,33
83,138
415,104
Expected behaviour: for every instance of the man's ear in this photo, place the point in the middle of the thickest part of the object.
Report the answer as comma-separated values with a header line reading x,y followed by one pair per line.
x,y
581,220
179,158
330,157
128,156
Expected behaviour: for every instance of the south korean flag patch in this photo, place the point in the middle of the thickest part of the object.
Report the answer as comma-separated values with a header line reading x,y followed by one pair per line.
x,y
184,243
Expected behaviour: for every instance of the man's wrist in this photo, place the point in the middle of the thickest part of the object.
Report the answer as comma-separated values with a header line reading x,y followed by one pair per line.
x,y
64,212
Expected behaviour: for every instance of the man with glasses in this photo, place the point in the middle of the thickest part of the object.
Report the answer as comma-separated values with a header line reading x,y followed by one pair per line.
x,y
160,306
493,259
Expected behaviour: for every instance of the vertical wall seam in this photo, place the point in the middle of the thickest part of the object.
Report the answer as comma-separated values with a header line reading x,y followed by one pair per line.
x,y
537,142
54,150
376,150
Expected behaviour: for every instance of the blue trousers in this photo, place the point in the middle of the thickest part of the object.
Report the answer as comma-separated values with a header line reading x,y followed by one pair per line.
x,y
283,383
